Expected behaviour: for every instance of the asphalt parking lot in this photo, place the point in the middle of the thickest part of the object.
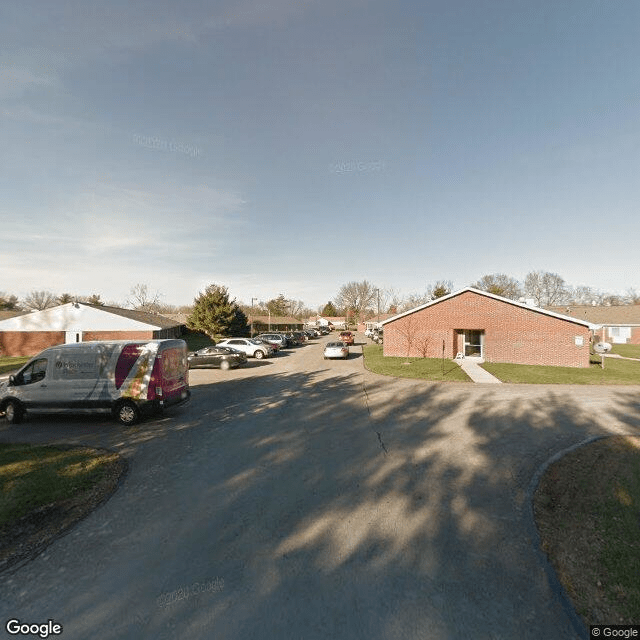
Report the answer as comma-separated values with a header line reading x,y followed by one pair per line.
x,y
304,498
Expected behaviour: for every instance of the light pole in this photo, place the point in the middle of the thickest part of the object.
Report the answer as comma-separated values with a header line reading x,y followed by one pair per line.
x,y
252,299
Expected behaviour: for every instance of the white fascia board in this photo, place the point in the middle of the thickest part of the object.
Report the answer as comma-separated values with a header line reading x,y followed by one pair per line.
x,y
488,295
72,317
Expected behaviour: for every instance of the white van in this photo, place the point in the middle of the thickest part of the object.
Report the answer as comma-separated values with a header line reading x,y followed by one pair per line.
x,y
125,377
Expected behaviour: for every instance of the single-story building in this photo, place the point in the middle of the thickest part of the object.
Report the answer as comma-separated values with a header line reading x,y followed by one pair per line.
x,y
28,334
375,322
260,324
618,324
333,322
475,324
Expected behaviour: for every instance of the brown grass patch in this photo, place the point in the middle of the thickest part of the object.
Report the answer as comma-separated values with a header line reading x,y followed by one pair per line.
x,y
587,509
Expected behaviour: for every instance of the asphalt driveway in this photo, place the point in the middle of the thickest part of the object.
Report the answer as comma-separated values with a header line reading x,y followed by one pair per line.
x,y
303,498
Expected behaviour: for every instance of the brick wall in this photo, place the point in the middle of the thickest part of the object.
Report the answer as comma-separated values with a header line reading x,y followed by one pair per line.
x,y
28,343
511,333
117,335
635,336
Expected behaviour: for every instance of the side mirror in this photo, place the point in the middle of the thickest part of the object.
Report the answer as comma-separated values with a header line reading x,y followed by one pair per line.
x,y
12,380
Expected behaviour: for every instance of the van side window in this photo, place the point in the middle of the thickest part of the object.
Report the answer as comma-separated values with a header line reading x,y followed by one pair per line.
x,y
34,372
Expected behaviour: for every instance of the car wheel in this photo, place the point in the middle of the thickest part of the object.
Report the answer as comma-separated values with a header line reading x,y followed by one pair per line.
x,y
259,354
224,365
127,413
14,412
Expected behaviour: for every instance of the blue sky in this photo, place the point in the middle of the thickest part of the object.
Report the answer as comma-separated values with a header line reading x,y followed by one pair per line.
x,y
278,147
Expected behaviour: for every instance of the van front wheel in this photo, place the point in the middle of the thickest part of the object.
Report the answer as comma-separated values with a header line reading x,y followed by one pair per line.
x,y
13,412
127,413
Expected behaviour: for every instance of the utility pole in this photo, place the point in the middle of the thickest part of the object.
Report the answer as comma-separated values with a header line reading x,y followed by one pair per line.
x,y
252,299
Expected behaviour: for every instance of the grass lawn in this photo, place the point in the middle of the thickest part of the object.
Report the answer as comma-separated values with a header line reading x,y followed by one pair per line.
x,y
587,507
424,368
8,365
46,489
615,372
626,350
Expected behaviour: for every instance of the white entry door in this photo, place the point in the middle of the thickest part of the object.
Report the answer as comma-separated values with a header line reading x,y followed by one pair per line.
x,y
72,336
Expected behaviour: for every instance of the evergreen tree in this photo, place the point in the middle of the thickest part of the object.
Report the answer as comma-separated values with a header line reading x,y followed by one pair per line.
x,y
278,306
329,310
213,312
240,324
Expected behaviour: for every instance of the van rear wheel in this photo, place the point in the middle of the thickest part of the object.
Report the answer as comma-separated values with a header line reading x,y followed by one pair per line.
x,y
127,413
13,412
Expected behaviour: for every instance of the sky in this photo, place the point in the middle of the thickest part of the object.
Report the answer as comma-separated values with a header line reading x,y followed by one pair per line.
x,y
289,147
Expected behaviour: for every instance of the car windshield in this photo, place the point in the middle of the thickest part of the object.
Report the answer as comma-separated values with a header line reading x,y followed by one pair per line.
x,y
335,345
256,341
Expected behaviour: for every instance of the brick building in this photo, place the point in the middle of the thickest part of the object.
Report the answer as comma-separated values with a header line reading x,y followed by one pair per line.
x,y
618,324
262,324
28,334
488,327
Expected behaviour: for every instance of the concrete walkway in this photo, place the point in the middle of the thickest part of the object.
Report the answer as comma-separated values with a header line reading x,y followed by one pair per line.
x,y
473,369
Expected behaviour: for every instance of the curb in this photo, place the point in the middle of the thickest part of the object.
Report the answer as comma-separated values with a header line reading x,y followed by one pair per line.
x,y
554,582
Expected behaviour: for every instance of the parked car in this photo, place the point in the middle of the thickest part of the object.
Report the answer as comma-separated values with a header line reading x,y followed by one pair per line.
x,y
216,356
125,377
277,340
292,339
250,346
368,332
377,336
347,337
302,336
336,350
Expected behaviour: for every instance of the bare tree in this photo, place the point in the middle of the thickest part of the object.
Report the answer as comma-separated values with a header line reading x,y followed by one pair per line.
x,y
500,284
547,289
142,299
415,300
581,295
614,300
408,327
423,345
633,297
356,296
39,300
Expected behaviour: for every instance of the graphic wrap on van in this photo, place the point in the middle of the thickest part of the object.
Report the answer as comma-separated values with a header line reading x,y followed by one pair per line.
x,y
100,375
135,383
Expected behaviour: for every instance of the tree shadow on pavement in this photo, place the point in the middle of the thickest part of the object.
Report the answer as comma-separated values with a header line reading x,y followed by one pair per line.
x,y
330,507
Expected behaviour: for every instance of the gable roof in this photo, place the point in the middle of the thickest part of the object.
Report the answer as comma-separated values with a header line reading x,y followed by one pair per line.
x,y
154,319
488,295
275,320
622,315
81,316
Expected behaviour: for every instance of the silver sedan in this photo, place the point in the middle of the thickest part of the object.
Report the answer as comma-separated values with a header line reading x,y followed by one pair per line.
x,y
336,350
